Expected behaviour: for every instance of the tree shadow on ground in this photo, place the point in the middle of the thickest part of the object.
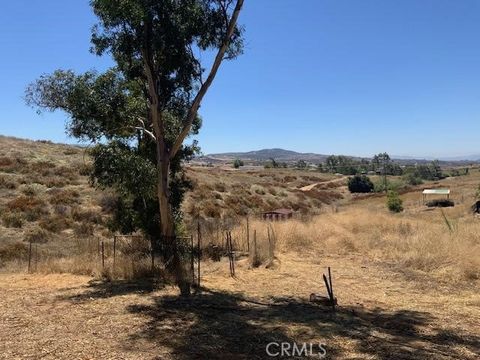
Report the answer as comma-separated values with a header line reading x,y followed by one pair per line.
x,y
98,289
220,325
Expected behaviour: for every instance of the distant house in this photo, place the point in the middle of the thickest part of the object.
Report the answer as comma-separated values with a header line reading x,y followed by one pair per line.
x,y
279,214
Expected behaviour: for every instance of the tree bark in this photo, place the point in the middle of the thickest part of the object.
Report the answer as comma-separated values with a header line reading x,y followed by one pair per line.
x,y
164,154
167,222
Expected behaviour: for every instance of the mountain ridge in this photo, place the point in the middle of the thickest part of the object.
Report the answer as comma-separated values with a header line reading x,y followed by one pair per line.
x,y
280,154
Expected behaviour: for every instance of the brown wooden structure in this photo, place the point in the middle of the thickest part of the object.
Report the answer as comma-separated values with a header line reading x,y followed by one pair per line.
x,y
279,214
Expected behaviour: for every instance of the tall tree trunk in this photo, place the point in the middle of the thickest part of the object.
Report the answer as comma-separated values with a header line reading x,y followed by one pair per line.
x,y
167,223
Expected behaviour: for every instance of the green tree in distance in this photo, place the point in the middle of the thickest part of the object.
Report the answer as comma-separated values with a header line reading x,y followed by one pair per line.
x,y
237,163
360,184
141,111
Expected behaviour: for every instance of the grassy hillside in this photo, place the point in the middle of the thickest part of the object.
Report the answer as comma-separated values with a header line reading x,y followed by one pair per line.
x,y
45,196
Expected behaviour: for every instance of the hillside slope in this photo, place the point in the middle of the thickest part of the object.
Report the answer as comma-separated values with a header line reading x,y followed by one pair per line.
x,y
45,196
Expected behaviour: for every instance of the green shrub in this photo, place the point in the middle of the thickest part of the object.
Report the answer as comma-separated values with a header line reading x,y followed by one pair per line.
x,y
413,180
360,184
394,203
237,163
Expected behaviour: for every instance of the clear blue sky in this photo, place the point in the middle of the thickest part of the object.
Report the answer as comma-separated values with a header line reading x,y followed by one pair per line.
x,y
327,76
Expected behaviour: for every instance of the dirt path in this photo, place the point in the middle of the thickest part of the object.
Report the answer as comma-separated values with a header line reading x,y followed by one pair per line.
x,y
325,184
382,315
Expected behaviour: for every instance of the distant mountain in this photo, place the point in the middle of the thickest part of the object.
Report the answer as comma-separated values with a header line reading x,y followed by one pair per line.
x,y
290,156
266,154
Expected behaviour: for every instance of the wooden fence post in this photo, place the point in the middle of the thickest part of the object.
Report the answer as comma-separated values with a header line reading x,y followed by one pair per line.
x,y
30,257
192,259
103,255
114,250
199,252
254,261
248,236
36,256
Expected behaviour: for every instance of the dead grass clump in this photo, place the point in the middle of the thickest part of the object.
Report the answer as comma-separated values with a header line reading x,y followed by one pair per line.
x,y
83,229
258,189
220,187
326,197
37,235
86,215
8,182
54,182
10,165
32,189
108,202
211,209
289,179
44,168
55,223
24,203
31,207
13,219
65,197
13,250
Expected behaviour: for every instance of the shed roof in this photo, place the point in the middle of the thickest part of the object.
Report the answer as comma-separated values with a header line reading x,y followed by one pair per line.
x,y
436,191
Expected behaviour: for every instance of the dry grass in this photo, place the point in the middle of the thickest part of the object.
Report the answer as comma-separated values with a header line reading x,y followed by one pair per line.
x,y
422,244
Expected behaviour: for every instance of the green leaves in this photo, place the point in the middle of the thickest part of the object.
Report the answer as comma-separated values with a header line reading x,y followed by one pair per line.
x,y
120,166
169,35
104,105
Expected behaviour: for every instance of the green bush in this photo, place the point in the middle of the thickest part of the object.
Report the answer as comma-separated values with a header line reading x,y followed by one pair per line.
x,y
413,179
394,203
237,163
360,184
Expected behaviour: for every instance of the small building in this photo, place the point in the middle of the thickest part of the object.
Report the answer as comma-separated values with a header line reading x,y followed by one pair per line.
x,y
279,214
442,192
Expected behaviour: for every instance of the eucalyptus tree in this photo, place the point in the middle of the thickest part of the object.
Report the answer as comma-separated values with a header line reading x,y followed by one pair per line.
x,y
141,111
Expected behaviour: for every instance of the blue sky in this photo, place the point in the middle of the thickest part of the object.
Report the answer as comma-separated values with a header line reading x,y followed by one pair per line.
x,y
326,76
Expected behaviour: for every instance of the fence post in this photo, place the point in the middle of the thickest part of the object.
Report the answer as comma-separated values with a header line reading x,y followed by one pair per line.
x,y
199,237
152,246
103,255
254,248
114,250
30,257
192,265
248,236
36,256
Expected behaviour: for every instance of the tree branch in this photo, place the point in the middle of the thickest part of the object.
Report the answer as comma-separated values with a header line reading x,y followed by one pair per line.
x,y
192,113
144,129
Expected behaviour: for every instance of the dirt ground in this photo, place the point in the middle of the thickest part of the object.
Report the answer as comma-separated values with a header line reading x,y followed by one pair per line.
x,y
382,314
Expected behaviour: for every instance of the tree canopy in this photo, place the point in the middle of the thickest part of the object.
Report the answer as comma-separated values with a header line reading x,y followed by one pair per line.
x,y
139,112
